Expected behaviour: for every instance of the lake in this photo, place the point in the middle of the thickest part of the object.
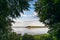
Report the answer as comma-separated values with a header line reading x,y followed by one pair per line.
x,y
32,31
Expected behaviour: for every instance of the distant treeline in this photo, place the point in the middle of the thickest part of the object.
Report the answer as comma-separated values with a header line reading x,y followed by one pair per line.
x,y
31,27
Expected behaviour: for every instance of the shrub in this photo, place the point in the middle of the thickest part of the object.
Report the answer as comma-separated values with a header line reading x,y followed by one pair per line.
x,y
10,36
27,37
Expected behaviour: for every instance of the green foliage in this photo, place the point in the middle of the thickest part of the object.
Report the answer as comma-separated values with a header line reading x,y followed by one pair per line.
x,y
43,37
10,36
38,37
27,37
48,10
10,9
55,31
49,13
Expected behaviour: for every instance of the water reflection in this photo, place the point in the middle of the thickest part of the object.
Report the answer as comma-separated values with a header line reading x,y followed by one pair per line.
x,y
32,31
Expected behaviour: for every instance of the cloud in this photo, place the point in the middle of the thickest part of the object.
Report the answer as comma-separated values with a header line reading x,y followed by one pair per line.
x,y
28,20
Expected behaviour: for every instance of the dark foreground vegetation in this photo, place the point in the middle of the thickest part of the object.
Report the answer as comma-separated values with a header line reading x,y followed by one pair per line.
x,y
48,11
37,37
14,36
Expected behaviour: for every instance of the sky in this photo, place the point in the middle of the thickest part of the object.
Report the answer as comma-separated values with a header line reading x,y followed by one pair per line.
x,y
29,18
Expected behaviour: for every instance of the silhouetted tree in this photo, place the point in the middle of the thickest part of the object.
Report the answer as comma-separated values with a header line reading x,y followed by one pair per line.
x,y
10,9
49,13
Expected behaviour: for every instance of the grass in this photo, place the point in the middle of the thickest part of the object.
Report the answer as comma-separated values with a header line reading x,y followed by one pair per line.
x,y
42,36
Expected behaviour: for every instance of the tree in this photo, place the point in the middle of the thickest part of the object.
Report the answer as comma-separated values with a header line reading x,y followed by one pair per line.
x,y
49,13
10,9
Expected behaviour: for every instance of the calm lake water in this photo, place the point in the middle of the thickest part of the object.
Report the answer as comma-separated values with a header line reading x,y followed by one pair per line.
x,y
32,31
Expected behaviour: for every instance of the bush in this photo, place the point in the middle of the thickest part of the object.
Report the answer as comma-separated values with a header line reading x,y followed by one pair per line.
x,y
43,37
27,37
10,36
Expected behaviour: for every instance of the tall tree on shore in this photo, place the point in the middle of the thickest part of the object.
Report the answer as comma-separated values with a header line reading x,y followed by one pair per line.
x,y
49,13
